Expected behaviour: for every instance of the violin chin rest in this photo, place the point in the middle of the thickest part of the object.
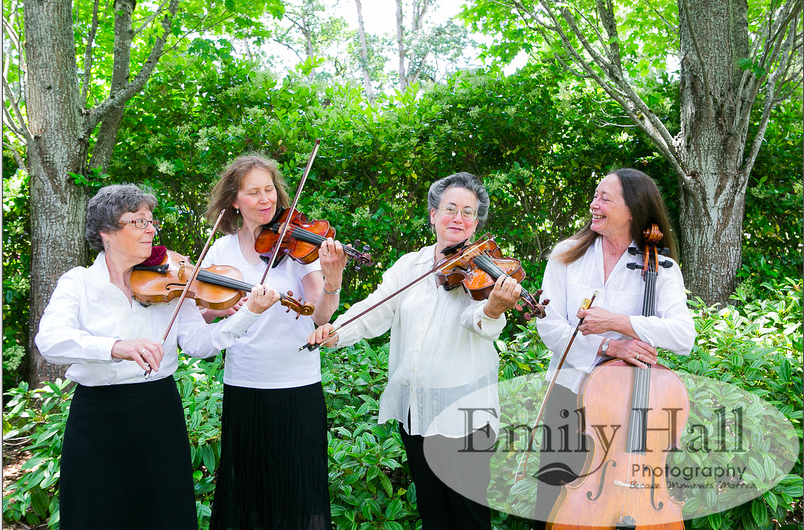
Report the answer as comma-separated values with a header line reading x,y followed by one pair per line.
x,y
158,254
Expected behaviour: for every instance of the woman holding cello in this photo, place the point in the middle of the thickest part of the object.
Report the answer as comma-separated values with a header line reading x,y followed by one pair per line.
x,y
273,469
126,456
595,260
442,358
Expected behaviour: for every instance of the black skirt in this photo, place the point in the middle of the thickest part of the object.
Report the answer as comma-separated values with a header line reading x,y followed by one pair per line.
x,y
273,470
125,462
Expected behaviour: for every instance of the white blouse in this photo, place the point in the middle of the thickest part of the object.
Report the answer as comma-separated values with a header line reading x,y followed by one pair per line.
x,y
267,357
87,314
442,357
566,286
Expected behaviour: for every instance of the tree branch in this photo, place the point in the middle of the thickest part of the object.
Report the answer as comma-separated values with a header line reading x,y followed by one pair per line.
x,y
786,50
149,20
15,123
780,52
121,96
87,78
621,91
17,155
8,27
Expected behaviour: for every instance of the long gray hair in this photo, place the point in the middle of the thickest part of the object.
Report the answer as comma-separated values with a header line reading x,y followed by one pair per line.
x,y
108,205
460,180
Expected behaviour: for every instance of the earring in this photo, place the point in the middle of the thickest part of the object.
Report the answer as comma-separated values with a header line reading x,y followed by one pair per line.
x,y
237,211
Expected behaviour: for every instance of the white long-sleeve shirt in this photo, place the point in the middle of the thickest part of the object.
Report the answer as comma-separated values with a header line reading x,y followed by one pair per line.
x,y
566,286
442,356
87,314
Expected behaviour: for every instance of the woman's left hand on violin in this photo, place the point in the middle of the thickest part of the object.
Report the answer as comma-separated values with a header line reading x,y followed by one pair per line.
x,y
633,351
333,261
504,296
261,298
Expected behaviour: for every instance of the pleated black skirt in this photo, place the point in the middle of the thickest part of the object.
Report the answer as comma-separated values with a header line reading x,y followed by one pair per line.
x,y
125,462
273,470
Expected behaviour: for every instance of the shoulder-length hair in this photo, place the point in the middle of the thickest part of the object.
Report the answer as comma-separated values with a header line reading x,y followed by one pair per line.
x,y
225,191
644,202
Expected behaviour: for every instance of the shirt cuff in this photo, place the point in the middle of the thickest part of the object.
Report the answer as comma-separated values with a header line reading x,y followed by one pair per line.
x,y
488,327
239,323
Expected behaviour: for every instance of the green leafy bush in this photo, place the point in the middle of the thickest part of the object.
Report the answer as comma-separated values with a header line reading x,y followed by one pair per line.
x,y
756,344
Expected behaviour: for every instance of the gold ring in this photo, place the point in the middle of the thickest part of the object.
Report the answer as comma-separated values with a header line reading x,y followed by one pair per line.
x,y
637,357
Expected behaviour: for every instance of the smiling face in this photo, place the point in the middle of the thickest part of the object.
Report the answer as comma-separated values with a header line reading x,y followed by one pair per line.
x,y
610,216
453,229
256,198
131,244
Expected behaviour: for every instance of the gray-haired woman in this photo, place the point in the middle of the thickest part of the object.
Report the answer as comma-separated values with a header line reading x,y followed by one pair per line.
x,y
442,363
126,457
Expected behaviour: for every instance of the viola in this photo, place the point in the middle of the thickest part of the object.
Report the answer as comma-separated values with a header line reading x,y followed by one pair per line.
x,y
163,276
622,486
477,267
302,239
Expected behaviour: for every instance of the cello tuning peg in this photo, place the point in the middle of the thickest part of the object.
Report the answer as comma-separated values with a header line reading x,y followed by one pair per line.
x,y
527,317
666,263
665,251
366,247
290,293
518,307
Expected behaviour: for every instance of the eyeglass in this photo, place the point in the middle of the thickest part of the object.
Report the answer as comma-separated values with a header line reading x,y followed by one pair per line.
x,y
468,213
142,224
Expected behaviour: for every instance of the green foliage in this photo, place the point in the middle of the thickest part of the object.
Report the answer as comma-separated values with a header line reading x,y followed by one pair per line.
x,y
16,279
773,242
369,483
756,345
36,419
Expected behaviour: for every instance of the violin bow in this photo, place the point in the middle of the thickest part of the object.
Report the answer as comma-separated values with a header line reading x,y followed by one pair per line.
x,y
189,282
285,226
448,252
334,331
519,475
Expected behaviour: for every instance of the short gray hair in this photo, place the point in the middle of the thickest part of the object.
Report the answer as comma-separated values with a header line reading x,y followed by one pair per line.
x,y
460,180
108,205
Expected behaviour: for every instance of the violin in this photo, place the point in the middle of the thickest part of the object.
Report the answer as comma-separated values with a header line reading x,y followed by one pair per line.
x,y
462,262
162,277
302,239
623,485
477,267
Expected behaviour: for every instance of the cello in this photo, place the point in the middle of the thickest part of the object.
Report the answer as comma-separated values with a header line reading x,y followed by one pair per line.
x,y
622,485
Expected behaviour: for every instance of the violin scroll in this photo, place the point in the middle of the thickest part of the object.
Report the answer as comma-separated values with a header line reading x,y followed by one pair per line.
x,y
301,308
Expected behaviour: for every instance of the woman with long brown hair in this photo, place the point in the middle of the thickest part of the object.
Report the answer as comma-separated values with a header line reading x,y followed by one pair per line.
x,y
595,259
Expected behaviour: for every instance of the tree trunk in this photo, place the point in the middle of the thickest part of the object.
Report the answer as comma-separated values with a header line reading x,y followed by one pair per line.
x,y
364,64
714,35
58,207
400,44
